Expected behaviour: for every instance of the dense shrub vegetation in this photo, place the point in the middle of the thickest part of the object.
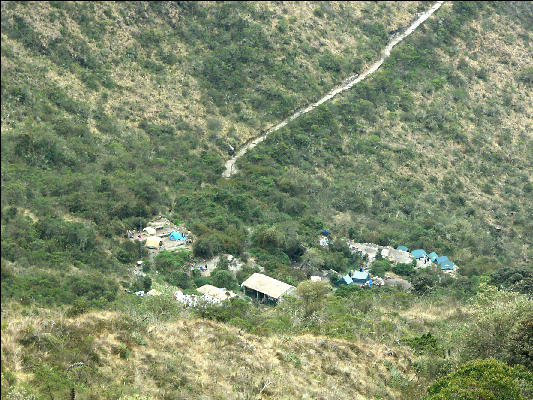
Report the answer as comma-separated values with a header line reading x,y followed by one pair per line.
x,y
113,113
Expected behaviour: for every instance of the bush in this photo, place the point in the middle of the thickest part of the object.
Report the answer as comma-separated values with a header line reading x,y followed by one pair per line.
x,y
520,345
403,269
312,295
478,379
423,281
379,267
180,279
206,246
167,262
224,279
80,306
497,327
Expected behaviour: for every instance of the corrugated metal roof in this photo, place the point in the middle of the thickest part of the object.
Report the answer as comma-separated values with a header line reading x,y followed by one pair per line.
x,y
267,285
403,248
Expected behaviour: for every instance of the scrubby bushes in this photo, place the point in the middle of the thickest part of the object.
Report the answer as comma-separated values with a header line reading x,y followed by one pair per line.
x,y
497,328
482,379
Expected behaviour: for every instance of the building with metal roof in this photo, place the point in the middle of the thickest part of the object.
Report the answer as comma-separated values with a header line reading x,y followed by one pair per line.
x,y
265,288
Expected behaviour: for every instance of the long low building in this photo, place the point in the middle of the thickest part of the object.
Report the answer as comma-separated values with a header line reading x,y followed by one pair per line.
x,y
264,288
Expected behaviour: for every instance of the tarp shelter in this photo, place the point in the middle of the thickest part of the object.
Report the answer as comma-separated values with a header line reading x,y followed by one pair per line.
x,y
149,230
176,236
360,277
325,232
266,288
419,253
153,242
215,292
433,256
345,280
402,248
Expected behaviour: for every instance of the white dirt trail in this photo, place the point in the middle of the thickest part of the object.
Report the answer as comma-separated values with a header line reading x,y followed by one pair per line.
x,y
351,81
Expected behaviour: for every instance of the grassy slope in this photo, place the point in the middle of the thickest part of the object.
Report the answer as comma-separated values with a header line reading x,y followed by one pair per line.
x,y
434,151
243,65
189,359
111,111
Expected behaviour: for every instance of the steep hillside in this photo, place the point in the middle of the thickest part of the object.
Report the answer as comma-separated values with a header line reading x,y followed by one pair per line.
x,y
435,150
355,344
116,113
190,359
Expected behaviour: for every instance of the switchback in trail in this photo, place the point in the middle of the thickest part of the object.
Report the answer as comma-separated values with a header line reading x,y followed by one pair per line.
x,y
350,82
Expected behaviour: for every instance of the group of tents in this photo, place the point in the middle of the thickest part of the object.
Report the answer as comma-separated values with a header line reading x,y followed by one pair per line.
x,y
443,261
361,277
154,242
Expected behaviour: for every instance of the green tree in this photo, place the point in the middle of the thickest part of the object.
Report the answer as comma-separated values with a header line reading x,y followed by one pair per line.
x,y
147,283
180,279
312,295
223,279
403,269
379,267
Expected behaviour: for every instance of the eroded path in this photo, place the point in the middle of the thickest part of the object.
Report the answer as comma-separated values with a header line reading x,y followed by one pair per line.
x,y
351,81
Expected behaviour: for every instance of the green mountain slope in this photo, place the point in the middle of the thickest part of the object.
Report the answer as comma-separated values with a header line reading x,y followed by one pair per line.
x,y
114,113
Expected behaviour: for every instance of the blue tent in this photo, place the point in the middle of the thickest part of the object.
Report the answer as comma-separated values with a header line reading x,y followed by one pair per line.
x,y
360,277
402,248
345,280
442,259
445,263
325,232
419,253
433,256
176,236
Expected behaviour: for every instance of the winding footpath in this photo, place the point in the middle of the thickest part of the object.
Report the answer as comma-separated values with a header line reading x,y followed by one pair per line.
x,y
351,81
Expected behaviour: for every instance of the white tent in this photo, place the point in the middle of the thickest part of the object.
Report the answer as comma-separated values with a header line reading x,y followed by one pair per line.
x,y
149,230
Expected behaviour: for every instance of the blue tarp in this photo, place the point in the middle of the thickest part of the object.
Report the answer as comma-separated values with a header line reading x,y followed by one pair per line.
x,y
403,248
433,256
325,232
345,280
419,253
360,276
176,236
